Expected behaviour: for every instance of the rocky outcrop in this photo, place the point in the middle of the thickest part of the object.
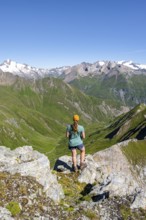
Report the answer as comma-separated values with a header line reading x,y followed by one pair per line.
x,y
111,175
28,162
108,184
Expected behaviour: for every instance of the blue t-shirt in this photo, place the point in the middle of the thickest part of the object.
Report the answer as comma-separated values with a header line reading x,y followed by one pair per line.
x,y
75,137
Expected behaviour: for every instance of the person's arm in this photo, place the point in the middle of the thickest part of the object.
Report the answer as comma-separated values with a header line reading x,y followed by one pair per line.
x,y
83,134
67,134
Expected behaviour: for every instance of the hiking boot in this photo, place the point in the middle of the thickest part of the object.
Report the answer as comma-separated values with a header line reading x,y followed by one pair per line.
x,y
75,169
83,165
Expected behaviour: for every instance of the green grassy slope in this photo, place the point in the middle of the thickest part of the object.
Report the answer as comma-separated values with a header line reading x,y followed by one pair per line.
x,y
124,127
130,125
21,125
118,89
136,153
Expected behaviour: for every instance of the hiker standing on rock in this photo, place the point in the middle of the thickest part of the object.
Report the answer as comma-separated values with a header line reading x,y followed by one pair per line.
x,y
75,133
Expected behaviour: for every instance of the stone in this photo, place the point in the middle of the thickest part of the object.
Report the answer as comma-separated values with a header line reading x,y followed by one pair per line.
x,y
28,162
5,214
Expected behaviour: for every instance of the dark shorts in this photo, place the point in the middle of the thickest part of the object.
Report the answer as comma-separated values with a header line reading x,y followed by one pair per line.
x,y
79,147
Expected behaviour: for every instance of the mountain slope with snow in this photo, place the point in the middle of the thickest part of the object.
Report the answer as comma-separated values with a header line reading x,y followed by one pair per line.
x,y
26,71
132,65
69,73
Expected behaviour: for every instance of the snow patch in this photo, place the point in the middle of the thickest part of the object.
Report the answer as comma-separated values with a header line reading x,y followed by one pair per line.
x,y
101,63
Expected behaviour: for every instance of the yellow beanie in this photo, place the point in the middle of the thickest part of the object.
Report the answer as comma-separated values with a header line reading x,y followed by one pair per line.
x,y
75,118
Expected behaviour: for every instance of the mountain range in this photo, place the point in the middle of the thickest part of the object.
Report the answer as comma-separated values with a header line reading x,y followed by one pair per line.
x,y
26,71
68,72
117,84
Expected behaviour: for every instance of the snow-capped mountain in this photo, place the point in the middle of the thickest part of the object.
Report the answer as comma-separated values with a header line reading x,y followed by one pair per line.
x,y
108,68
27,71
132,65
69,73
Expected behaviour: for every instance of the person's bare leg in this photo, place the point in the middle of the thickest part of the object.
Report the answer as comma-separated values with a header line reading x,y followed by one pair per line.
x,y
82,156
74,157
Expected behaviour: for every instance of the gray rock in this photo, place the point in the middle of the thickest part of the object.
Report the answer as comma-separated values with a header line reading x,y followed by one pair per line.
x,y
111,173
5,214
139,201
27,162
91,173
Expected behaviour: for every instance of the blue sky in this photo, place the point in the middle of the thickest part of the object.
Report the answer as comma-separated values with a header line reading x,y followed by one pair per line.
x,y
53,33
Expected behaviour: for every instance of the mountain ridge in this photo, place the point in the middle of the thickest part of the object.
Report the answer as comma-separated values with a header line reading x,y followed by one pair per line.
x,y
82,69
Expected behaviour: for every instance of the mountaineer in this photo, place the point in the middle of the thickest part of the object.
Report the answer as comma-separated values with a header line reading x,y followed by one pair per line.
x,y
75,133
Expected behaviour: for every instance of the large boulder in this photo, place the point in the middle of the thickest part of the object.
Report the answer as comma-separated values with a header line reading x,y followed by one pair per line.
x,y
28,162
